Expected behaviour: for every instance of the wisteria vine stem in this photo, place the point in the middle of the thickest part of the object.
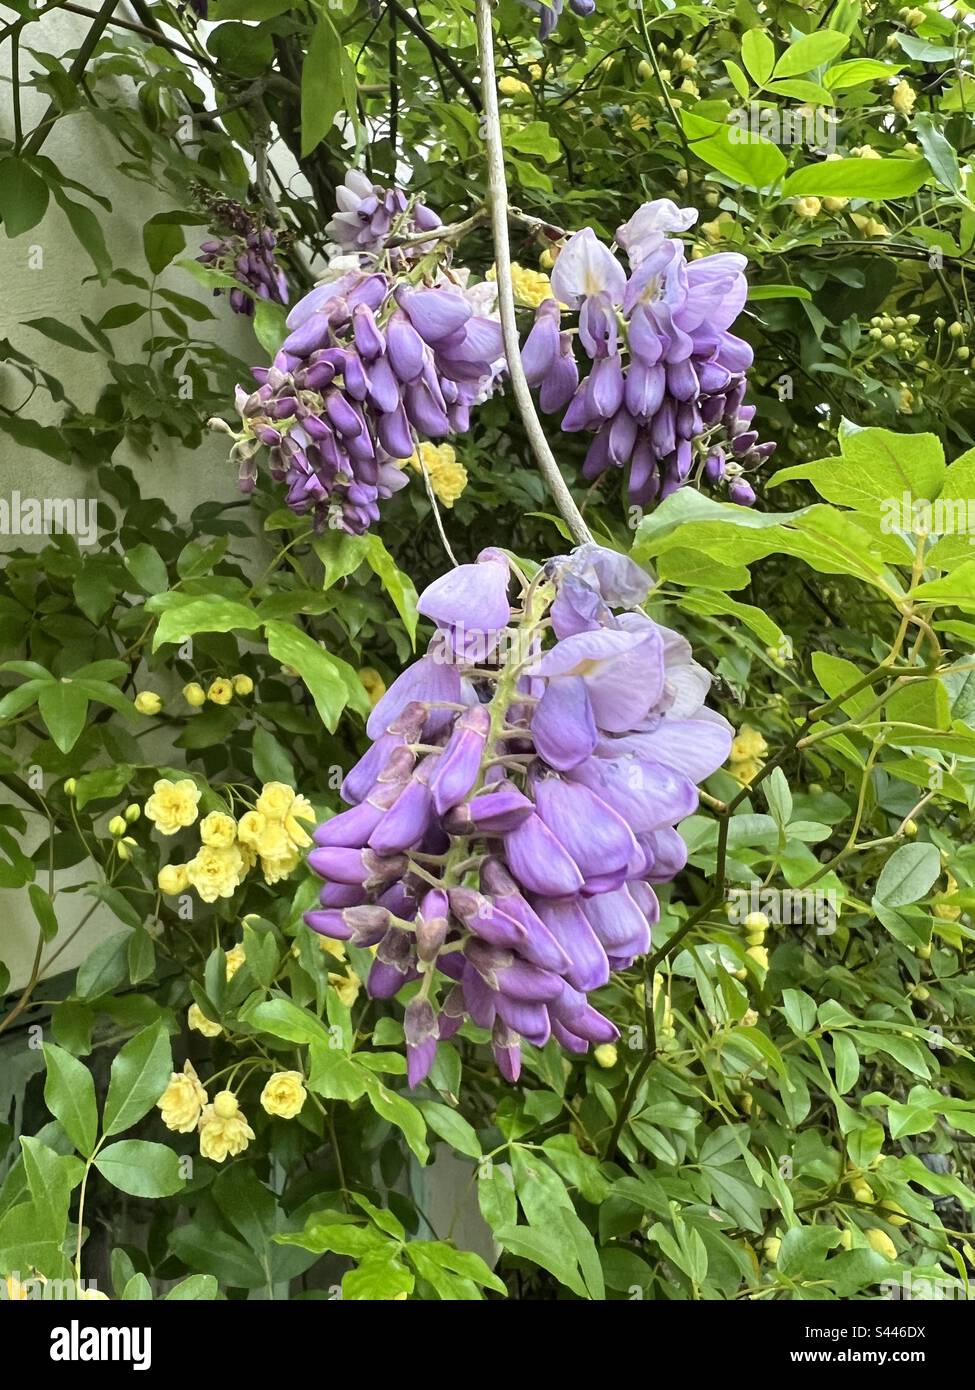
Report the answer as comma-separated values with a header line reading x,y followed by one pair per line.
x,y
498,202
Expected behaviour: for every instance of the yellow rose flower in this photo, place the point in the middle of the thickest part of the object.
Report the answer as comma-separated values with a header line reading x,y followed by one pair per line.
x,y
448,478
172,879
224,1131
903,98
281,866
284,1094
218,829
148,702
251,827
275,800
183,1100
606,1055
194,694
747,743
221,691
243,685
197,1020
301,809
807,207
513,87
274,842
531,287
173,804
346,986
373,684
236,957
215,873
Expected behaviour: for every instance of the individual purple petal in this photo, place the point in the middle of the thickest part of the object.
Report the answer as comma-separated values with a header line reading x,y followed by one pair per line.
x,y
563,728
589,968
539,862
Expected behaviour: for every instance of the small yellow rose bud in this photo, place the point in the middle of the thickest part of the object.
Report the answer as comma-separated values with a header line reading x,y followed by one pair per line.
x,y
963,354
925,951
221,691
807,207
846,1239
606,1055
939,323
125,847
862,1191
225,1104
546,260
771,1245
645,70
172,879
897,1217
147,702
70,786
132,812
117,826
243,685
956,329
759,955
194,694
881,1242
835,204
910,827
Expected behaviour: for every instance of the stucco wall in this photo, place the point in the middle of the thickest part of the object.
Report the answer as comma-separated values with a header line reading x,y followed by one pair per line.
x,y
46,272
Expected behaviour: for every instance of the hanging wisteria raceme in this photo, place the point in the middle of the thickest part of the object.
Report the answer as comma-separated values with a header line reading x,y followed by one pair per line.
x,y
245,250
380,354
665,394
518,803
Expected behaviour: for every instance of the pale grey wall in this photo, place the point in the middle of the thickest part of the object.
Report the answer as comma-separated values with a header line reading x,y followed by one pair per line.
x,y
62,287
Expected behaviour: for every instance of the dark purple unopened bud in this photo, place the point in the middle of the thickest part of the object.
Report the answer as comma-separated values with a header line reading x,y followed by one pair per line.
x,y
606,386
419,1022
431,924
741,444
505,971
458,766
368,339
507,1054
714,466
742,492
419,1061
406,822
491,813
394,433
561,380
404,348
482,917
362,866
542,345
384,389
369,923
529,1021
424,411
329,922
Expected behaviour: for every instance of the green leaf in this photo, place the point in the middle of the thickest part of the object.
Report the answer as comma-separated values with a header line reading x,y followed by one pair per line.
x,y
545,1249
758,55
86,228
284,1019
378,1277
271,760
60,333
857,71
198,1287
141,1168
858,178
69,1094
40,901
399,1112
64,709
23,196
398,585
734,151
140,1074
451,1126
104,784
162,241
331,681
810,52
321,84
209,614
908,875
846,1062
146,567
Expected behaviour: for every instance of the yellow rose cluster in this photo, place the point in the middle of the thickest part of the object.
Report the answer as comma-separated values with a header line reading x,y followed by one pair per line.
x,y
219,692
221,1124
448,478
530,287
271,834
748,750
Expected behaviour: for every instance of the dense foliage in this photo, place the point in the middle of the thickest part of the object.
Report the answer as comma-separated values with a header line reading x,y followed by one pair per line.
x,y
755,1078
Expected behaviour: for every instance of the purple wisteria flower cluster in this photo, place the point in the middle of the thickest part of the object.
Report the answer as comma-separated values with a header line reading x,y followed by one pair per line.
x,y
246,250
665,395
518,803
376,356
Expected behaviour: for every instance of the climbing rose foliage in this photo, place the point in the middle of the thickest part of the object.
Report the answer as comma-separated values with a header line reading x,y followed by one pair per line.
x,y
518,803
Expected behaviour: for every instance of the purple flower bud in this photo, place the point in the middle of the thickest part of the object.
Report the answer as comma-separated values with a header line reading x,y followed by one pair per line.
x,y
404,348
458,765
363,866
431,924
434,313
490,813
742,492
589,968
368,339
542,346
539,862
